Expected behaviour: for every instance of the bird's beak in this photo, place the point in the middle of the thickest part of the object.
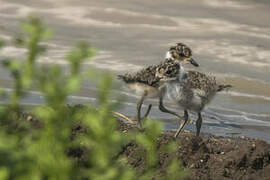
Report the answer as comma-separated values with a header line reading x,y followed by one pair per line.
x,y
193,62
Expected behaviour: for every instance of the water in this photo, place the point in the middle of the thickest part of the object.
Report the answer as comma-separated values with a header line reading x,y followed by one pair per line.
x,y
230,39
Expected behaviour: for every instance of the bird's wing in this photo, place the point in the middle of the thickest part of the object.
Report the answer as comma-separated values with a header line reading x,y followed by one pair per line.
x,y
201,82
145,75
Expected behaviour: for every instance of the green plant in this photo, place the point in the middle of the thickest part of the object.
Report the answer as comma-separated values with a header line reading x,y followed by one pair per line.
x,y
29,152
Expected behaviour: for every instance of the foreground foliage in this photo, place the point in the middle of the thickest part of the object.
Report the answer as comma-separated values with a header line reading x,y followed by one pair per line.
x,y
42,152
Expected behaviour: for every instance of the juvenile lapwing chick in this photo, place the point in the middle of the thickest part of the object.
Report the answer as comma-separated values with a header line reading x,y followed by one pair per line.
x,y
191,91
146,82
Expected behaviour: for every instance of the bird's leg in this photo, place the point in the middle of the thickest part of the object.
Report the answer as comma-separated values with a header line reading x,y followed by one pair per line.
x,y
199,123
148,111
139,106
182,124
163,109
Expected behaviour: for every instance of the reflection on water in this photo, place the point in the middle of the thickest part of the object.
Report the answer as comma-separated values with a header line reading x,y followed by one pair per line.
x,y
227,39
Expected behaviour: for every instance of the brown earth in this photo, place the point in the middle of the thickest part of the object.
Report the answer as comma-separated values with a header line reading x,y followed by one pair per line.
x,y
208,156
204,157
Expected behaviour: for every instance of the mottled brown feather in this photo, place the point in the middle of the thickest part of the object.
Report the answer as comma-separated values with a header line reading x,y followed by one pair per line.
x,y
197,80
169,68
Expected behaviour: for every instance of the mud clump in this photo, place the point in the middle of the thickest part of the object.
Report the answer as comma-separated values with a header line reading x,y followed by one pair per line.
x,y
208,156
205,157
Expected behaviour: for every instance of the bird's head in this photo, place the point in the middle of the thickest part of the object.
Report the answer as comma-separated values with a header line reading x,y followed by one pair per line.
x,y
182,53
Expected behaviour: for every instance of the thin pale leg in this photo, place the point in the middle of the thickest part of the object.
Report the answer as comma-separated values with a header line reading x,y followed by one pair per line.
x,y
148,111
182,124
199,124
139,106
163,109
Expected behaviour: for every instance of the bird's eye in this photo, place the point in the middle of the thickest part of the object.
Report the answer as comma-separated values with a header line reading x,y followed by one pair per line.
x,y
186,52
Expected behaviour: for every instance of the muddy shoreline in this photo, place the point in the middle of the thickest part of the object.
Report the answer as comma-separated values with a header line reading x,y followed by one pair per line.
x,y
209,156
204,157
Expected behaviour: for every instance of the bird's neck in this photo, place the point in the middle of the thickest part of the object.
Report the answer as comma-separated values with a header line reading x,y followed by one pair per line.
x,y
169,56
181,70
181,73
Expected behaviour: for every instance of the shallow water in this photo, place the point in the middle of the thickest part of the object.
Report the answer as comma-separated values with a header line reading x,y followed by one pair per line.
x,y
229,39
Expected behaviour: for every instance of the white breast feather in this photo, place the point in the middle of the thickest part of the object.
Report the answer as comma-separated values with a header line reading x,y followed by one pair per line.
x,y
168,55
174,91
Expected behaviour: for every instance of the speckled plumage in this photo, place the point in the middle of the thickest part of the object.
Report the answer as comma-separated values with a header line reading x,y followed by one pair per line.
x,y
192,92
147,82
200,81
148,76
194,85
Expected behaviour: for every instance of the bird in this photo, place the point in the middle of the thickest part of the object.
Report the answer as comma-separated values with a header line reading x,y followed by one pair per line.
x,y
191,90
146,82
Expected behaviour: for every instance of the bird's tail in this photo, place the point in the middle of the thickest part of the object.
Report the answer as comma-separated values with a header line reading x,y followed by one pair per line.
x,y
223,87
123,78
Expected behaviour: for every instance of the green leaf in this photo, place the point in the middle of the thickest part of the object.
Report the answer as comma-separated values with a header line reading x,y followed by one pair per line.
x,y
47,34
73,84
4,174
28,28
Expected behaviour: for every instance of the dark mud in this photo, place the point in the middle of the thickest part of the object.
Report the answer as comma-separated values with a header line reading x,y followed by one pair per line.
x,y
208,156
204,157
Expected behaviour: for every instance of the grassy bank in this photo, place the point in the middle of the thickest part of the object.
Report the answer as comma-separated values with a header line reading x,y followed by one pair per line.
x,y
49,144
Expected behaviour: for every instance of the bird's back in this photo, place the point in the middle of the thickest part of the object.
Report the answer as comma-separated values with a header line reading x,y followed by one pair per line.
x,y
201,82
152,75
192,92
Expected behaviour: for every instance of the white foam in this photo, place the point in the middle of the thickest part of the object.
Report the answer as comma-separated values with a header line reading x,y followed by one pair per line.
x,y
82,15
227,4
70,98
38,93
102,60
131,13
239,94
233,75
78,15
240,118
214,108
57,54
199,25
5,37
11,51
115,65
22,11
226,51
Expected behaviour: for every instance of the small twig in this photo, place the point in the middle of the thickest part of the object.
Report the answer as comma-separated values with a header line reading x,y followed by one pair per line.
x,y
124,117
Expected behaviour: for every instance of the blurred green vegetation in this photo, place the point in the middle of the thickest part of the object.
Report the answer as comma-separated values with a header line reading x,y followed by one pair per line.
x,y
44,151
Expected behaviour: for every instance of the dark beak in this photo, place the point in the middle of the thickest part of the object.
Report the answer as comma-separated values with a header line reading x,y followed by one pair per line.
x,y
193,62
